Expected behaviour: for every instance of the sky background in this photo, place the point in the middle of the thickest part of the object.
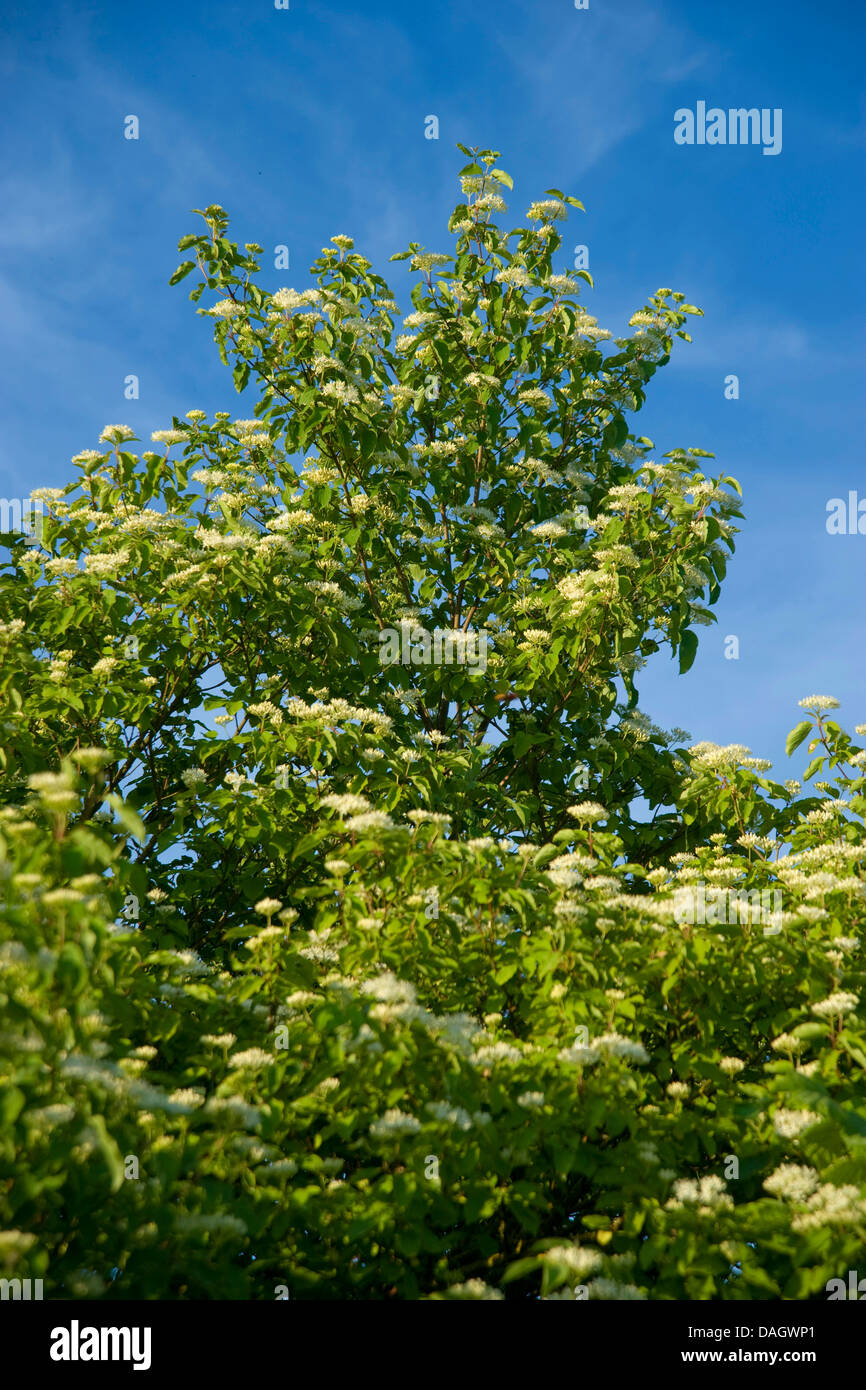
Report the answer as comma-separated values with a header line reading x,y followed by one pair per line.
x,y
309,122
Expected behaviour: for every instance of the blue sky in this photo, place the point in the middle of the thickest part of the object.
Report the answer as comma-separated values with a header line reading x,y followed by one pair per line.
x,y
308,122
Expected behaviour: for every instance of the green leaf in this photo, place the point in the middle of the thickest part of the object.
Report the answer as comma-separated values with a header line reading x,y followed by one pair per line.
x,y
796,736
11,1104
128,818
688,649
182,271
109,1150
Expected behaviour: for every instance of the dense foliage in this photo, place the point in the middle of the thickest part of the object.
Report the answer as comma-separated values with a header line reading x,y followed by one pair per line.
x,y
332,973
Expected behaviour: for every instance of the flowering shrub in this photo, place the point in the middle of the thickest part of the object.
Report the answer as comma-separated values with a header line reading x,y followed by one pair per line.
x,y
329,976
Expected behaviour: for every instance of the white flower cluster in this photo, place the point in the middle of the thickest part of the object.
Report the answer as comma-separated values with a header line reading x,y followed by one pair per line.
x,y
531,1100
327,588
491,202
452,1115
492,1053
266,907
477,1291
169,436
253,1059
106,564
419,320
394,1124
562,284
232,540
732,1065
480,380
370,820
792,1182
337,711
579,1056
548,210
424,817
514,276
62,565
428,259
225,309
588,812
836,1005
290,520
116,434
831,1206
346,803
533,395
790,1124
586,326
614,1045
387,989
287,300
341,391
613,1291
707,1194
235,1110
575,1258
266,709
717,757
579,590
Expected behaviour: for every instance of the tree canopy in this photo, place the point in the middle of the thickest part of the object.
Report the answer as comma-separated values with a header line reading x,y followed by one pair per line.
x,y
339,958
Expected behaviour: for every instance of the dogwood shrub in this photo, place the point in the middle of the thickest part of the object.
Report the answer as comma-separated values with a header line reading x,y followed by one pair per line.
x,y
339,964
